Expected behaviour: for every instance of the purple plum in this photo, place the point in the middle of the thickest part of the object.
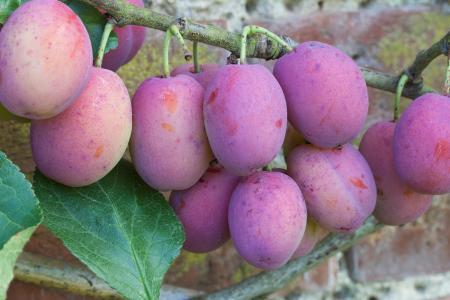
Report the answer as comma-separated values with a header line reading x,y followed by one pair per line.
x,y
245,117
325,93
267,218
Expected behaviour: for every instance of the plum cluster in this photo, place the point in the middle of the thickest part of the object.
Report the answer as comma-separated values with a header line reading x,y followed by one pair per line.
x,y
208,137
81,115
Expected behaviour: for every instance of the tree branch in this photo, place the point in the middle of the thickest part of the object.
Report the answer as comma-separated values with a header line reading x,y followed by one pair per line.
x,y
52,273
387,82
260,46
425,57
267,282
127,14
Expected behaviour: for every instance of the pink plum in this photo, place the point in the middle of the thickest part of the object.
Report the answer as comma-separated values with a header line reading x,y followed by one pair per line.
x,y
45,59
245,117
338,185
203,210
82,144
267,218
422,145
397,203
169,146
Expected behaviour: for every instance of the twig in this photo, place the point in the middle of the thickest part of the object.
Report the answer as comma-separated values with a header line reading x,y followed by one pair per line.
x,y
425,57
387,82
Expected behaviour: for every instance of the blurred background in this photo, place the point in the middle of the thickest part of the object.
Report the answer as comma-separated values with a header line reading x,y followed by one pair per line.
x,y
408,262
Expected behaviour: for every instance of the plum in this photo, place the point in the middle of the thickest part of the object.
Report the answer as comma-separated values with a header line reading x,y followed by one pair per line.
x,y
203,210
337,184
169,146
422,145
131,38
206,75
267,218
397,203
245,117
325,93
313,234
45,59
82,144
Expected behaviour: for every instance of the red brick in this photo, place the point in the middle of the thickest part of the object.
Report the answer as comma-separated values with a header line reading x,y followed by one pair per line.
x,y
323,277
419,248
24,291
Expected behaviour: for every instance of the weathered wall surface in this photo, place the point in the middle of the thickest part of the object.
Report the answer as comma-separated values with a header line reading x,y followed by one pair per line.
x,y
383,34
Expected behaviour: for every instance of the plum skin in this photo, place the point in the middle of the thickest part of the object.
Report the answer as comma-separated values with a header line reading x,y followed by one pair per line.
x,y
82,144
397,203
422,145
206,75
337,184
325,92
45,59
267,217
203,210
245,117
169,147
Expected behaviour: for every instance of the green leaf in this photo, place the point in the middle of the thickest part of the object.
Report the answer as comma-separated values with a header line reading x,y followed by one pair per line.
x,y
19,216
9,255
112,43
19,207
119,227
7,7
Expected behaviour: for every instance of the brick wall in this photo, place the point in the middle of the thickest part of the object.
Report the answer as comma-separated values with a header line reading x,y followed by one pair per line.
x,y
384,34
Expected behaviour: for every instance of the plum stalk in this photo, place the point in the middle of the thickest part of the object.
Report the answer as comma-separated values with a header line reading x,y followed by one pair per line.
x,y
447,78
166,44
196,62
173,31
401,84
253,29
109,26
